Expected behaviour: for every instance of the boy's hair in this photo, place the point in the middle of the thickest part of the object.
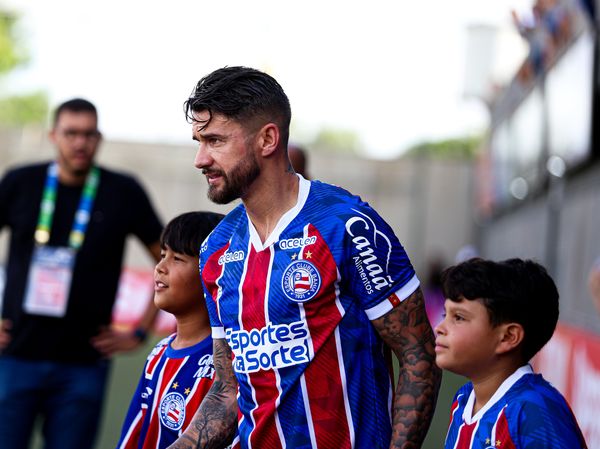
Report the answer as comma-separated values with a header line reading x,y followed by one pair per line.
x,y
242,94
74,105
185,233
513,290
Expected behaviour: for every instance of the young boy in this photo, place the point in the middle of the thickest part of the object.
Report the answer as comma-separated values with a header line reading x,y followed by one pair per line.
x,y
179,370
498,316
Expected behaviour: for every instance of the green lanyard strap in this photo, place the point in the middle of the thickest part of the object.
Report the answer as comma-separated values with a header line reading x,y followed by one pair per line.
x,y
82,216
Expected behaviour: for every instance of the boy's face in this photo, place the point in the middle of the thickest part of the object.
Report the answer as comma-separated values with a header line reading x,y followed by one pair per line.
x,y
177,286
465,340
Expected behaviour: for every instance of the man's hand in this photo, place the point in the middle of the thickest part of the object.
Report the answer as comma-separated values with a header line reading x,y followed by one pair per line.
x,y
110,341
406,330
5,336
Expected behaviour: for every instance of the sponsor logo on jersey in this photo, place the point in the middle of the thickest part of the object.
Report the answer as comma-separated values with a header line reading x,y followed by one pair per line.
x,y
300,281
172,410
365,237
205,367
272,347
234,256
299,242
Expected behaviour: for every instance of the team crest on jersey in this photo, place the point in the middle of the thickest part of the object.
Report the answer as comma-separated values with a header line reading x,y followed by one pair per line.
x,y
301,281
172,411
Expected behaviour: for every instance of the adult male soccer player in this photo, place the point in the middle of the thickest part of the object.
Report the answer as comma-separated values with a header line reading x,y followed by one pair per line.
x,y
304,284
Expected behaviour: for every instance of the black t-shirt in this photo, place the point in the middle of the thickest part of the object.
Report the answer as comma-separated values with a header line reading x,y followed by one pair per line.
x,y
121,208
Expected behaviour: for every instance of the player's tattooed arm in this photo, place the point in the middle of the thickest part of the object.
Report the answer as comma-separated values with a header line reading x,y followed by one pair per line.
x,y
215,422
407,331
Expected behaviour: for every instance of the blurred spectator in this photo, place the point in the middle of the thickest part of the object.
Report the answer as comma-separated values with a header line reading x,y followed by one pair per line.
x,y
432,291
465,253
594,283
68,221
299,160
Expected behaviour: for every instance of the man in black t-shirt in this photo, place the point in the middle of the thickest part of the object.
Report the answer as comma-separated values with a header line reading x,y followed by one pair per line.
x,y
68,221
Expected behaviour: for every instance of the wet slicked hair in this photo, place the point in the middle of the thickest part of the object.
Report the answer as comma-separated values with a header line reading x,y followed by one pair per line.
x,y
242,94
514,290
74,105
185,233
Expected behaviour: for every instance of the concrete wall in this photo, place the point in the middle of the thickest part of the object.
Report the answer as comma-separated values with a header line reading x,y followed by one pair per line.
x,y
562,233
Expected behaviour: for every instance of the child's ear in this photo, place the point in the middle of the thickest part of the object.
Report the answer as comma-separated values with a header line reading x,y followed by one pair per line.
x,y
511,335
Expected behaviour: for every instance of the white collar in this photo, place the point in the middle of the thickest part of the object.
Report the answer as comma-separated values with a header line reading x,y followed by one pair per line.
x,y
501,391
284,221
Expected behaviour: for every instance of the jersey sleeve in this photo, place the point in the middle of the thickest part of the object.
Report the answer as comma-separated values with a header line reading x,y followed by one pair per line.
x,y
547,424
375,266
210,272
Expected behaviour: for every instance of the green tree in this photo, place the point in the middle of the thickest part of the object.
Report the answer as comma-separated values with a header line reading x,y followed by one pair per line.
x,y
337,140
456,148
17,110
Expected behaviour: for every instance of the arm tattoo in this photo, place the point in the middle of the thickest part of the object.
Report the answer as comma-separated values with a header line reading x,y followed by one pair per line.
x,y
406,330
214,424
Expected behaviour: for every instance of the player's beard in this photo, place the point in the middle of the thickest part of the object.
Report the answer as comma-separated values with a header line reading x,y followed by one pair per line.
x,y
236,182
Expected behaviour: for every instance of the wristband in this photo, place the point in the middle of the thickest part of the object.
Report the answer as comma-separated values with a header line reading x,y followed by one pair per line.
x,y
140,334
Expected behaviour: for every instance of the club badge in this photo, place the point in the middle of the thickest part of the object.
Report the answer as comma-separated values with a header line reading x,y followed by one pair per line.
x,y
172,411
301,281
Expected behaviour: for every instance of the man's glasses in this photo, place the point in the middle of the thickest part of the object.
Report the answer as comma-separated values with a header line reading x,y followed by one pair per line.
x,y
73,134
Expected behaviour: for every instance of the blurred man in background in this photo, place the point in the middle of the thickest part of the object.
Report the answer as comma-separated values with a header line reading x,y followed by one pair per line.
x,y
299,160
68,222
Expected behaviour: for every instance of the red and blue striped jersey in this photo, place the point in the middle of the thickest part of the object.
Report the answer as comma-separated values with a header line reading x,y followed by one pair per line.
x,y
296,312
171,387
526,412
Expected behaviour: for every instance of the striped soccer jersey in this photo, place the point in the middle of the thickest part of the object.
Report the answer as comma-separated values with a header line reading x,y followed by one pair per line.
x,y
526,412
296,313
172,386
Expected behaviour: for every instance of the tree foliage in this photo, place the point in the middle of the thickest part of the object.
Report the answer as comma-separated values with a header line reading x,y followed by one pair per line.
x,y
10,55
17,110
456,148
337,140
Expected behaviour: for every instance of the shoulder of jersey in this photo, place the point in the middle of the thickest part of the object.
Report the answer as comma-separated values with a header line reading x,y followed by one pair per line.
x,y
221,234
332,198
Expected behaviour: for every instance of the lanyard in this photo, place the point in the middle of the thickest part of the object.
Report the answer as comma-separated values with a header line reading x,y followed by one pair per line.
x,y
82,216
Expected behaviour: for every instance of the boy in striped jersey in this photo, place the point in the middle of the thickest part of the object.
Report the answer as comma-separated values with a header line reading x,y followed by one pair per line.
x,y
498,316
179,370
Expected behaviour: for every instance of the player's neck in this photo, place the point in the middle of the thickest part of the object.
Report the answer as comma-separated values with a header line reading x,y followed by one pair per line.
x,y
486,383
271,198
191,330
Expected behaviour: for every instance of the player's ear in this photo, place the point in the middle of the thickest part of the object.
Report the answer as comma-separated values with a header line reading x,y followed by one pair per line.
x,y
268,138
510,336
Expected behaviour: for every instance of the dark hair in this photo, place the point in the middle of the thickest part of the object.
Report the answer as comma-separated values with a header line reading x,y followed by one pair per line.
x,y
185,233
74,105
242,94
513,290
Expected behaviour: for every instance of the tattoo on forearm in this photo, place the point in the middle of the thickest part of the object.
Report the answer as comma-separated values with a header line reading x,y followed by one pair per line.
x,y
407,331
214,424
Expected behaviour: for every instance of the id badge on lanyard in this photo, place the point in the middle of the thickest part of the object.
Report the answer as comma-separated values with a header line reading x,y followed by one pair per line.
x,y
51,268
49,281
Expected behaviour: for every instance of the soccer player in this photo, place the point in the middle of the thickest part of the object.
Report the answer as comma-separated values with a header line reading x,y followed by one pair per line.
x,y
498,316
304,284
179,370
